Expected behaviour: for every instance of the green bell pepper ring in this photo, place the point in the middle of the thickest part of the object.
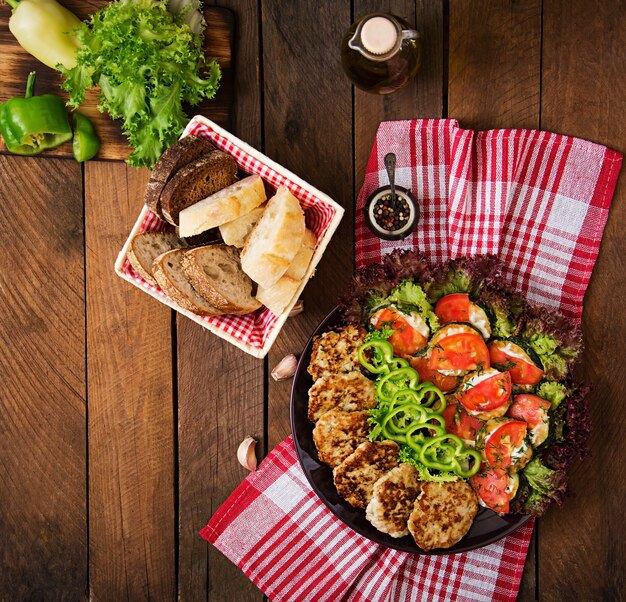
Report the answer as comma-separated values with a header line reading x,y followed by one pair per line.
x,y
382,358
394,381
86,143
32,124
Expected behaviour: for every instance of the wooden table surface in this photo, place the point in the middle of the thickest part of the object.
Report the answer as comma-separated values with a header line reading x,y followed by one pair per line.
x,y
119,421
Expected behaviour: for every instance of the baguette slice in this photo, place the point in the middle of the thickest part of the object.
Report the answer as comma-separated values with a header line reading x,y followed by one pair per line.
x,y
275,240
278,296
169,274
181,153
215,272
146,247
196,181
224,206
236,232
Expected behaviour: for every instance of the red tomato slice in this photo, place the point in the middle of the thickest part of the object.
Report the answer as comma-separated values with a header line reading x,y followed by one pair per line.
x,y
490,485
405,340
523,371
500,444
488,395
534,411
460,423
462,352
441,381
453,308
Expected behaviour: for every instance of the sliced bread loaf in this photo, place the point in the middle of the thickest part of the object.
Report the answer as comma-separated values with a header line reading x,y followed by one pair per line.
x,y
275,240
235,233
146,247
181,153
196,181
170,276
223,206
216,273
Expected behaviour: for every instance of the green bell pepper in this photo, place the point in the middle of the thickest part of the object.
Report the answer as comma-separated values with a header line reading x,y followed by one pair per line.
x,y
86,143
32,124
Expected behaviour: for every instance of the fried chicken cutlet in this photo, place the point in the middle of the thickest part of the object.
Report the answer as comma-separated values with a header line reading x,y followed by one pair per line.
x,y
337,434
349,392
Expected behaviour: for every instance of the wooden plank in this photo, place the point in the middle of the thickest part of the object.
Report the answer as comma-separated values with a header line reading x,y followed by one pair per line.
x,y
581,548
43,524
494,82
17,63
308,117
422,97
221,390
494,67
131,422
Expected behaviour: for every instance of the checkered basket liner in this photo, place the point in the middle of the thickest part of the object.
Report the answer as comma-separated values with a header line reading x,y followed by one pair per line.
x,y
254,332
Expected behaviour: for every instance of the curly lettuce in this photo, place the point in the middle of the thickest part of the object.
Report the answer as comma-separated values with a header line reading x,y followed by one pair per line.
x,y
147,63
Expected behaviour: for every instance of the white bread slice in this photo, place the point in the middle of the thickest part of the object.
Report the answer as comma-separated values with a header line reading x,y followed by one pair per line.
x,y
235,233
222,207
278,296
215,272
168,272
146,247
275,240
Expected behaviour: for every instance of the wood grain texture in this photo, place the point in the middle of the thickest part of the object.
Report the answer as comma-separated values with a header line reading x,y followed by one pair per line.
x,y
494,82
308,129
16,64
43,526
131,422
220,388
421,97
582,546
494,66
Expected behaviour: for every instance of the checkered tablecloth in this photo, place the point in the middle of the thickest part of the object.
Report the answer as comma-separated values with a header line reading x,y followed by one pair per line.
x,y
538,200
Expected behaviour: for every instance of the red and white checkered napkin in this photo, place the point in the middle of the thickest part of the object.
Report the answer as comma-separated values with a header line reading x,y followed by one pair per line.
x,y
538,200
279,533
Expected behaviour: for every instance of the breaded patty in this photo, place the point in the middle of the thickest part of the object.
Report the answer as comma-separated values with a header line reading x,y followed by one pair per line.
x,y
443,514
355,476
336,352
393,498
349,392
337,434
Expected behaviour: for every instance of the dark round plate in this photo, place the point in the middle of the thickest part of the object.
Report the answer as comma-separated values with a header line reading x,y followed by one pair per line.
x,y
487,528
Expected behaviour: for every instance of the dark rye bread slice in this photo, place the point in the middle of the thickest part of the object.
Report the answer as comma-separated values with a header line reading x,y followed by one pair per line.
x,y
196,181
169,274
145,247
178,155
215,272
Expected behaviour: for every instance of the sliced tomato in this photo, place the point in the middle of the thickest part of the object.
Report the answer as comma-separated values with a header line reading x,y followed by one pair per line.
x,y
406,340
459,352
427,374
512,358
453,308
490,484
534,411
486,392
460,423
503,441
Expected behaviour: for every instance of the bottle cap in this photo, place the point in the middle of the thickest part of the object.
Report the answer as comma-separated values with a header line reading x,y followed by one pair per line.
x,y
379,35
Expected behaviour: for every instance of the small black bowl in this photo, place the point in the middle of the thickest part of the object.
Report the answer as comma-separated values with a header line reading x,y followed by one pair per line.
x,y
402,194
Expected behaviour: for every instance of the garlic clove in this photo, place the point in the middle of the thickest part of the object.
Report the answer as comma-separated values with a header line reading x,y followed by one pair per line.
x,y
298,308
246,453
286,368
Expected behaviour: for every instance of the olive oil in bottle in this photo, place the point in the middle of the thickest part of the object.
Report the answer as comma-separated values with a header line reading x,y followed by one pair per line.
x,y
380,53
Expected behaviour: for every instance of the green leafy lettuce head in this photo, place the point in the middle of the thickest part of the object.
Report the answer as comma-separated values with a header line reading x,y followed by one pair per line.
x,y
555,339
147,63
553,392
464,275
409,296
